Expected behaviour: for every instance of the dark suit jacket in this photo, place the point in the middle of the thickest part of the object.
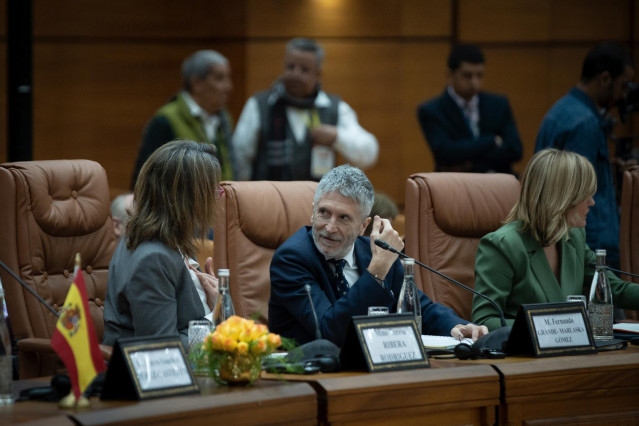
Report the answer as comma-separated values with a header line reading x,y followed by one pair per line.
x,y
451,139
149,293
298,262
512,269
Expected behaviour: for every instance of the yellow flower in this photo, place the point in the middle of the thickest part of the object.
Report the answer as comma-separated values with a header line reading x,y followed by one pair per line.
x,y
242,348
216,342
258,346
274,340
229,344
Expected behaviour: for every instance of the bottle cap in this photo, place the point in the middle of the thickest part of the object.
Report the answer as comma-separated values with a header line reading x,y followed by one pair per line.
x,y
409,261
223,273
600,252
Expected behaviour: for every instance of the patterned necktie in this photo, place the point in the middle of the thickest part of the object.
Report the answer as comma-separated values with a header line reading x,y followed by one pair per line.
x,y
342,284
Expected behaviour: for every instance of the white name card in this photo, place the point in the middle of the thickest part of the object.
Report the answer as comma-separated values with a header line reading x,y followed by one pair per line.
x,y
561,330
551,329
392,344
160,368
148,367
383,343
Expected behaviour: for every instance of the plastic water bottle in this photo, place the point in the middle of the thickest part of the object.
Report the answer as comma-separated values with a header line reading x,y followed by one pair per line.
x,y
223,308
600,307
409,297
6,371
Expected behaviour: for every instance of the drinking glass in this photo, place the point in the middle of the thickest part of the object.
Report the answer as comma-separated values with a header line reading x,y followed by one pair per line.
x,y
377,310
198,330
577,298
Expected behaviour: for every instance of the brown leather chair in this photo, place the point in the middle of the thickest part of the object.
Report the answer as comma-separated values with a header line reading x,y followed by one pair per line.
x,y
629,230
446,215
256,218
50,211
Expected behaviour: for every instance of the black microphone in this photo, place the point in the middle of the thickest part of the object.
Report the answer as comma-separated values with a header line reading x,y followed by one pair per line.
x,y
317,355
318,332
29,289
386,246
594,265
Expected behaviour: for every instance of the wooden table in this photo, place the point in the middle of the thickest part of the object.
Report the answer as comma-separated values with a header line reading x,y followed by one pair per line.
x,y
593,389
265,402
438,395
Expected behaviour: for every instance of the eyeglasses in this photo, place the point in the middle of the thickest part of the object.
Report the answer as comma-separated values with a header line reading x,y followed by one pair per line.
x,y
219,192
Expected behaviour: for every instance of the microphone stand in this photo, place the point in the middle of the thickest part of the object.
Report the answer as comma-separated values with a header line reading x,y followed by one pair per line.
x,y
386,246
29,289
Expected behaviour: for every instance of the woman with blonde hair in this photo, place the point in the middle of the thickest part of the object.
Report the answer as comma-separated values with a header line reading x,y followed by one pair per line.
x,y
150,289
540,254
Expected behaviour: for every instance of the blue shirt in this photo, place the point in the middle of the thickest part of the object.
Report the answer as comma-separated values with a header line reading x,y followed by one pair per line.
x,y
575,124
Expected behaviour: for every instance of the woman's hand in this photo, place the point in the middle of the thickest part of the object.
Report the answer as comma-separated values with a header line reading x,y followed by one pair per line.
x,y
209,282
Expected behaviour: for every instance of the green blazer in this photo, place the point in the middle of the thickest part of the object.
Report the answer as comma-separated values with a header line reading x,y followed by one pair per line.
x,y
512,269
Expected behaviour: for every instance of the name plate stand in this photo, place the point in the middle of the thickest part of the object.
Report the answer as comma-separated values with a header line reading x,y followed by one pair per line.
x,y
551,329
383,343
148,367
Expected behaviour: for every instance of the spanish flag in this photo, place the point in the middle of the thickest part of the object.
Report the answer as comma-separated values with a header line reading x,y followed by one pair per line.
x,y
74,339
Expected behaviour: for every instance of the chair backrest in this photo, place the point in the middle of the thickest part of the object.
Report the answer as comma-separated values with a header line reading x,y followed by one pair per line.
x,y
446,215
629,229
256,218
50,211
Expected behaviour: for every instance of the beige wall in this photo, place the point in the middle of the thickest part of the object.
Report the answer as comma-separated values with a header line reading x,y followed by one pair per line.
x,y
101,69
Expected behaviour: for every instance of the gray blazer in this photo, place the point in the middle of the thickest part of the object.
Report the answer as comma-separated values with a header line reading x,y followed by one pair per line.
x,y
149,293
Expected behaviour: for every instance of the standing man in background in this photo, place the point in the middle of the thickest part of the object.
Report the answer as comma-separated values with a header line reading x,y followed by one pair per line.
x,y
198,112
292,130
578,122
469,130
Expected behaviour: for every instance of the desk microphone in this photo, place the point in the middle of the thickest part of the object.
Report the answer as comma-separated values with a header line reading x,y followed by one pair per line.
x,y
318,332
594,265
386,246
29,289
319,354
490,345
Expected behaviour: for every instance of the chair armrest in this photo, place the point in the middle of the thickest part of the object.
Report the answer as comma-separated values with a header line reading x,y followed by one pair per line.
x,y
38,344
34,344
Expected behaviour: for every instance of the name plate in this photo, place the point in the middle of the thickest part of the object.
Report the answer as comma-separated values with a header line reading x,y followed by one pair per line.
x,y
383,343
551,329
150,367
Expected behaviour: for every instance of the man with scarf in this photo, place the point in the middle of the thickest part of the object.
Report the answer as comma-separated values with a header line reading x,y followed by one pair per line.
x,y
293,130
198,112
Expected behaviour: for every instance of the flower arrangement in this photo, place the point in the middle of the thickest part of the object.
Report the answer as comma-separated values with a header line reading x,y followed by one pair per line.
x,y
235,350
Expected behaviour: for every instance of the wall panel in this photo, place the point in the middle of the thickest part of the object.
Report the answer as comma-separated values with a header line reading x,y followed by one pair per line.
x,y
147,19
328,18
498,20
590,20
424,77
521,74
427,18
103,68
98,107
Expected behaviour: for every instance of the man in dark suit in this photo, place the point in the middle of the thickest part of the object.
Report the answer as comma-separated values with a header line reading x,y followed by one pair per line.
x,y
469,130
346,272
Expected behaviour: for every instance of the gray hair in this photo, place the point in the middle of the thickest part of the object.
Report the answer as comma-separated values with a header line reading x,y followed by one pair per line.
x,y
350,182
119,208
199,65
307,45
